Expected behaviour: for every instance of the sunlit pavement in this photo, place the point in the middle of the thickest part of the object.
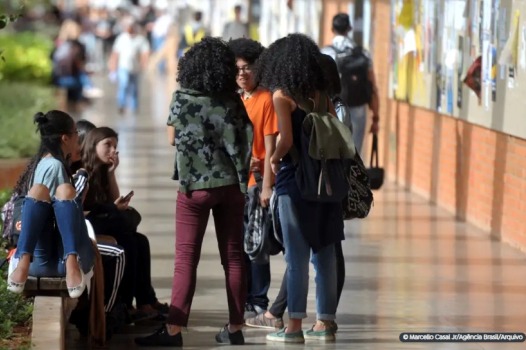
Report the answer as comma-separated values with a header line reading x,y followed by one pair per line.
x,y
410,266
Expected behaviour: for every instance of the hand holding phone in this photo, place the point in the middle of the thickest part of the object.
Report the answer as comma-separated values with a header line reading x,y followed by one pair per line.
x,y
127,197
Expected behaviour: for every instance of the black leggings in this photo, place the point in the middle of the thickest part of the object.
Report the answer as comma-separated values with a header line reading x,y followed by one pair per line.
x,y
136,281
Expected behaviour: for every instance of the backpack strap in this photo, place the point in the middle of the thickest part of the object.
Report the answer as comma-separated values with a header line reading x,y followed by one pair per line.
x,y
318,104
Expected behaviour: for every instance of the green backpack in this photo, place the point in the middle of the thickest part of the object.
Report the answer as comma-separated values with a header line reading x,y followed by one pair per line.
x,y
326,147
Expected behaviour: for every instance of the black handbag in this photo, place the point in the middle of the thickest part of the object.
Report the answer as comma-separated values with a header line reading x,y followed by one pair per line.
x,y
359,199
376,174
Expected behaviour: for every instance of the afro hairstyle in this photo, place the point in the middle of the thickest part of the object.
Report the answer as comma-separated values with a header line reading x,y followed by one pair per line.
x,y
209,67
292,64
246,49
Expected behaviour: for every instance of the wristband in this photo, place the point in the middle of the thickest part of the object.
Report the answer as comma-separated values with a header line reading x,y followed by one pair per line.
x,y
376,118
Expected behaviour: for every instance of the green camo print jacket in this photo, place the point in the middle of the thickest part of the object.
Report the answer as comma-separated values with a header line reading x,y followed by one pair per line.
x,y
213,137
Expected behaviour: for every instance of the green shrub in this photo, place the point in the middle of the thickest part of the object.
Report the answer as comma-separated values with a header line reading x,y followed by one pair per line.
x,y
18,103
26,57
14,308
5,194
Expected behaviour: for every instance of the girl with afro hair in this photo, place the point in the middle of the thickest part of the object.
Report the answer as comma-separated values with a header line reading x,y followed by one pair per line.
x,y
210,128
291,69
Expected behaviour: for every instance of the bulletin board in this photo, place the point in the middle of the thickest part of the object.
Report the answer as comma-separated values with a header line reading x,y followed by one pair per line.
x,y
435,45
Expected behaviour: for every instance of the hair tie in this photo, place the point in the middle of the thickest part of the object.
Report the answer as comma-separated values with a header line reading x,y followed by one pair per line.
x,y
40,118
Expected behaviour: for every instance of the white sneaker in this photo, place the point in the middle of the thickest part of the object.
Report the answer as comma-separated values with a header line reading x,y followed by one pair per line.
x,y
92,92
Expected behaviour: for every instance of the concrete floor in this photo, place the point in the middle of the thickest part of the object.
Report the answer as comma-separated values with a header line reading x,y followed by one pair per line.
x,y
410,266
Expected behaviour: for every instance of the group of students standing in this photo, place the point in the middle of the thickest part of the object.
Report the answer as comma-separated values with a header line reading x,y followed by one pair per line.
x,y
236,112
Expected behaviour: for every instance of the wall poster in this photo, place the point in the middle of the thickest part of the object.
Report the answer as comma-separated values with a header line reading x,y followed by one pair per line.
x,y
435,42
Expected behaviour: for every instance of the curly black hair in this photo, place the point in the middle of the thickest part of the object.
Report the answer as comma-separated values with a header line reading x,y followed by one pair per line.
x,y
246,49
292,64
330,69
209,67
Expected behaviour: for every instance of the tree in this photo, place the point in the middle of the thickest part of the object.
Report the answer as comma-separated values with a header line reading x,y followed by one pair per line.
x,y
5,19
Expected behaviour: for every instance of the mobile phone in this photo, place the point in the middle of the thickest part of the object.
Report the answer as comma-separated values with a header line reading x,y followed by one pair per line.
x,y
128,196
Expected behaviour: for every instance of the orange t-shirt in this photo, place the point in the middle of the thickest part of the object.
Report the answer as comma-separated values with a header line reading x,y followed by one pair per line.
x,y
260,110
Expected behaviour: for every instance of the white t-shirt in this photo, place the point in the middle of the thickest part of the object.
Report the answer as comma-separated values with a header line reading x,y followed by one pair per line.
x,y
130,49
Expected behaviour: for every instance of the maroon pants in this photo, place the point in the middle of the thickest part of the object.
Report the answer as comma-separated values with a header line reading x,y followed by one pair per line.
x,y
192,212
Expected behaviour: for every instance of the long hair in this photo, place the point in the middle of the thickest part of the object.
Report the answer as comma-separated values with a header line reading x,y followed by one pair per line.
x,y
97,170
51,126
292,64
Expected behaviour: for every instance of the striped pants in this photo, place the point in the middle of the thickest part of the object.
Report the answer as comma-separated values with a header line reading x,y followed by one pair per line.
x,y
113,262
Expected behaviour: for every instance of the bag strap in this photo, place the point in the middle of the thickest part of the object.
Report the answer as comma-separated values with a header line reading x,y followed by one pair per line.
x,y
259,179
374,151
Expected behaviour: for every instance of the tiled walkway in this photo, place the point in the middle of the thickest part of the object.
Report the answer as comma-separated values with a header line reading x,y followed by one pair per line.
x,y
410,266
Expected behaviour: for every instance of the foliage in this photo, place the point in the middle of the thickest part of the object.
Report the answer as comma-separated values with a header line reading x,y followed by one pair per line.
x,y
20,101
26,57
5,18
15,310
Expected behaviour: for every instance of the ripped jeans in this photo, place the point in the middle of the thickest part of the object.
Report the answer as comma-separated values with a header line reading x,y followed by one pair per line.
x,y
52,231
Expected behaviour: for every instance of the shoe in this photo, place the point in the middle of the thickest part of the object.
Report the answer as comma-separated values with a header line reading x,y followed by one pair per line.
x,y
163,308
252,311
139,316
333,326
225,337
75,292
161,338
324,335
12,286
262,321
92,92
281,336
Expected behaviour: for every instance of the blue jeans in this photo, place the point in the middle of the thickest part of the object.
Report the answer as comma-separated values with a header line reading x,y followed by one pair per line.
x,y
259,284
358,121
48,247
297,253
127,89
157,44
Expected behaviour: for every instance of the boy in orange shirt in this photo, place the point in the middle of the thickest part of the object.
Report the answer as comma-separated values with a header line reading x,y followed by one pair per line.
x,y
260,109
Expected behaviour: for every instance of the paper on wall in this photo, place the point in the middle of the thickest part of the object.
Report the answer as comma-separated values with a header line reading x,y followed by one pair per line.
x,y
510,53
522,54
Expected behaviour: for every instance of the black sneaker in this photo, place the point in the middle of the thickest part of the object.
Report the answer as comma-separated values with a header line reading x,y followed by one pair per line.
x,y
161,338
225,337
252,311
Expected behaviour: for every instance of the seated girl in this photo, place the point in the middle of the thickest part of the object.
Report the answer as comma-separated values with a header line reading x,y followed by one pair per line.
x,y
53,241
110,214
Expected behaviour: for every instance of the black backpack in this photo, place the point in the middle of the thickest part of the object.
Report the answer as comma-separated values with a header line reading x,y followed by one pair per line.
x,y
353,66
259,239
12,220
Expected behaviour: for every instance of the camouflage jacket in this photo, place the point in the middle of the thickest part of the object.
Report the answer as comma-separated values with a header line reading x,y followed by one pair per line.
x,y
213,137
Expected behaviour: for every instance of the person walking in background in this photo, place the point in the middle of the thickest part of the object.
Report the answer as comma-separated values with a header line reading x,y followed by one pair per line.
x,y
212,133
193,32
235,29
258,103
358,84
160,29
291,68
129,56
